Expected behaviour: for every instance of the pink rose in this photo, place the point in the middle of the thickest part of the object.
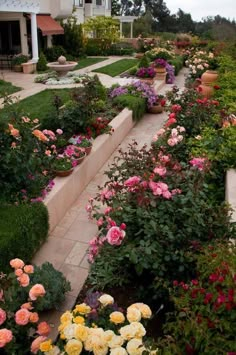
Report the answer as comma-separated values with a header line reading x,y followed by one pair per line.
x,y
18,272
22,316
115,236
5,337
36,344
59,131
3,316
134,180
17,263
36,291
155,188
166,194
161,171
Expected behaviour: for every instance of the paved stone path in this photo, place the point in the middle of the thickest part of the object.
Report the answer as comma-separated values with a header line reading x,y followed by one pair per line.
x,y
67,244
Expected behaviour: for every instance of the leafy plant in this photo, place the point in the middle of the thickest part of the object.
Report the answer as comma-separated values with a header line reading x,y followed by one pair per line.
x,y
42,62
62,163
19,59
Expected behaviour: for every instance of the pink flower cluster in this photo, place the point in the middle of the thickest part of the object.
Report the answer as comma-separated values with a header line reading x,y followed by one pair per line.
x,y
199,163
175,136
160,189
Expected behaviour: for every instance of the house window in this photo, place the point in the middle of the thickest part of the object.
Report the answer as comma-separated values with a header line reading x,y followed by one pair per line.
x,y
79,3
98,2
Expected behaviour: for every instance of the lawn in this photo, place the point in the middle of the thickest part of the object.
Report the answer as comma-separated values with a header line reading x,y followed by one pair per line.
x,y
85,62
7,88
39,105
118,67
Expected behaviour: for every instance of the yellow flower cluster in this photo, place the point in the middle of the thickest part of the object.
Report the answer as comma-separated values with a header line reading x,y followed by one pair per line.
x,y
78,333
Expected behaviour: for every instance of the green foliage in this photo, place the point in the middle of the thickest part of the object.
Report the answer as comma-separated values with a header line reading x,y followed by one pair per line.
x,y
136,104
54,52
178,63
144,62
54,283
121,48
23,228
6,88
118,67
103,27
19,59
204,321
42,62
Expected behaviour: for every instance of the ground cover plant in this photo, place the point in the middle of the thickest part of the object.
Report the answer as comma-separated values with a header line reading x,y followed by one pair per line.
x,y
118,67
6,88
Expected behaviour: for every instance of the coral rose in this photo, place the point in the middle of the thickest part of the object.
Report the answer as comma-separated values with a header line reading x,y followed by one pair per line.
x,y
5,337
34,317
27,305
17,263
18,272
29,269
115,236
3,316
22,316
43,328
36,291
24,280
36,344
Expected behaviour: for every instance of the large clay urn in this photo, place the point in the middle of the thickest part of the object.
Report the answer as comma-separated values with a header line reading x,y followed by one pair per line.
x,y
209,77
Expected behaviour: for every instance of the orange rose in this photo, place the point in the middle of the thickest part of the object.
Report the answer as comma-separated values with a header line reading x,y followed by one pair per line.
x,y
43,328
34,317
24,280
38,134
5,337
29,269
36,291
27,305
18,272
17,263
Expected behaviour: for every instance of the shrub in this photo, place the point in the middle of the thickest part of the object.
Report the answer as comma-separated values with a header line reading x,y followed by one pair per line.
x,y
204,318
23,228
94,47
53,53
144,62
42,63
54,283
177,62
135,104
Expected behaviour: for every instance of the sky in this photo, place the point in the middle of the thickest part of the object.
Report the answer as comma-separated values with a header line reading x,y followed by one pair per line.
x,y
203,8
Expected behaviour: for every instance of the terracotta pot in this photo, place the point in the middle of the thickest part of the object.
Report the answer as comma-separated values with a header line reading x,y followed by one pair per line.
x,y
139,55
63,173
17,68
161,76
160,69
206,90
88,150
79,160
156,109
209,77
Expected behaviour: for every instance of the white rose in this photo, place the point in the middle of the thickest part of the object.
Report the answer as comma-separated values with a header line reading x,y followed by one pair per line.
x,y
135,347
106,300
116,341
133,314
118,351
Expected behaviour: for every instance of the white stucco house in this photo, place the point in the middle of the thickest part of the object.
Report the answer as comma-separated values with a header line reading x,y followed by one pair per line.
x,y
24,24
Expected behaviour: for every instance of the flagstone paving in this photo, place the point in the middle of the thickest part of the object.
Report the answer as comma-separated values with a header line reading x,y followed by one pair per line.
x,y
67,244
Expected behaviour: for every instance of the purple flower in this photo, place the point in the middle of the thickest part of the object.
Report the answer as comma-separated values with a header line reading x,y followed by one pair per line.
x,y
146,72
160,62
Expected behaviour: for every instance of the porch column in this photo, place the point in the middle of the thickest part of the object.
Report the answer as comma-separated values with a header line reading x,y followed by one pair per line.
x,y
121,29
131,29
34,39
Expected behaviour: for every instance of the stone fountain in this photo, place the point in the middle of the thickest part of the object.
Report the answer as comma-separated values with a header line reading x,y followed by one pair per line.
x,y
62,66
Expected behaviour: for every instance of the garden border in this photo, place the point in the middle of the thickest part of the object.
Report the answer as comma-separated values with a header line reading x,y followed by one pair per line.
x,y
230,191
66,190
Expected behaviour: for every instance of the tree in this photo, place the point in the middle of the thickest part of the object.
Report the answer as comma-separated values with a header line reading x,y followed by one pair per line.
x,y
103,27
115,8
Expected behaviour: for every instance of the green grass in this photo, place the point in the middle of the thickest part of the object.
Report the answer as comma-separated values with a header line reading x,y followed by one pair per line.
x,y
118,67
7,88
85,62
38,105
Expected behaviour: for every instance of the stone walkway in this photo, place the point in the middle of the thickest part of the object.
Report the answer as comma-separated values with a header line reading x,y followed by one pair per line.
x,y
67,244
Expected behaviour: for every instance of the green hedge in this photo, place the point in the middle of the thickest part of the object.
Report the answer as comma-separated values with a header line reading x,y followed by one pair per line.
x,y
178,63
136,104
22,230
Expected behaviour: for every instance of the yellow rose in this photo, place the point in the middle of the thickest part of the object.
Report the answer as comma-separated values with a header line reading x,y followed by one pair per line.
x,y
108,334
118,351
135,347
82,308
115,341
127,332
117,317
133,314
46,345
99,346
66,317
106,300
144,309
139,329
73,347
79,320
81,332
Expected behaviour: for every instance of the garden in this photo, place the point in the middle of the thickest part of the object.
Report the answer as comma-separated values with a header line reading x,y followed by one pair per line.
x,y
162,275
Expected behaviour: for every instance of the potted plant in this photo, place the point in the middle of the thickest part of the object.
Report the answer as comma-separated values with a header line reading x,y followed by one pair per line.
x,y
158,106
17,60
146,74
75,153
160,65
62,165
82,142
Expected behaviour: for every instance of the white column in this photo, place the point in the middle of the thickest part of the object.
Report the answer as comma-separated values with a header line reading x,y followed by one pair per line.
x,y
34,39
131,29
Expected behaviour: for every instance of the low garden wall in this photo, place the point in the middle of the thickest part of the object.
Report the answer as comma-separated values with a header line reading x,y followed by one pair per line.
x,y
230,191
66,190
